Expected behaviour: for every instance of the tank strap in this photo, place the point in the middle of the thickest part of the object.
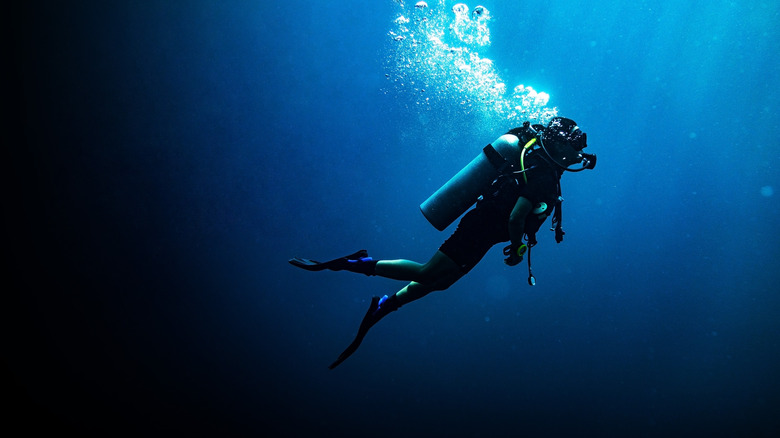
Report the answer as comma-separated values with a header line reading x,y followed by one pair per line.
x,y
495,159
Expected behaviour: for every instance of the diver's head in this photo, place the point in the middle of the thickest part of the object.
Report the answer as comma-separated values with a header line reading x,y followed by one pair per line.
x,y
562,131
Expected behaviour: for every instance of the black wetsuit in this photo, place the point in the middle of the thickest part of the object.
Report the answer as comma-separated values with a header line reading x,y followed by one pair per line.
x,y
488,223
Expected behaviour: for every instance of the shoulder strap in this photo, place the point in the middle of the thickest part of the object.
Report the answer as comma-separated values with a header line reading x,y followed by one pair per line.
x,y
495,159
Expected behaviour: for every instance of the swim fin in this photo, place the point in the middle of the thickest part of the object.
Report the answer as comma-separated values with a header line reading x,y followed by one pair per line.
x,y
368,321
358,262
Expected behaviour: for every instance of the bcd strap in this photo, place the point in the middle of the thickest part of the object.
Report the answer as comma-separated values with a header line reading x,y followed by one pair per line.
x,y
558,216
495,159
558,230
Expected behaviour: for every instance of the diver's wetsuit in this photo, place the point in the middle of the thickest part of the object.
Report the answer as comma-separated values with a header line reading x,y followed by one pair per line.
x,y
488,223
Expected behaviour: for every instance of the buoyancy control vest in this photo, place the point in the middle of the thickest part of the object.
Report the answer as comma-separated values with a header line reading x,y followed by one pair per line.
x,y
534,163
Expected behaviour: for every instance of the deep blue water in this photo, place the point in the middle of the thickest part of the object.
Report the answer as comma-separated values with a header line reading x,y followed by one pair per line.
x,y
174,155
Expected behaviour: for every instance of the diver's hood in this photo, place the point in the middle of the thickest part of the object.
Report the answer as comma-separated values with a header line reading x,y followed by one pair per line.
x,y
563,141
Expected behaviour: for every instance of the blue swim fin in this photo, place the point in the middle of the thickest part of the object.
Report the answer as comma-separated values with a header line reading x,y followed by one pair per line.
x,y
335,264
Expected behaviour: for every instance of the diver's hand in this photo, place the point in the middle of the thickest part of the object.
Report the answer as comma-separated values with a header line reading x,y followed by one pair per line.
x,y
514,254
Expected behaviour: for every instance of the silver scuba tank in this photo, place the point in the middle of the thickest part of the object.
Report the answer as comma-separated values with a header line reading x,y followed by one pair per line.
x,y
458,194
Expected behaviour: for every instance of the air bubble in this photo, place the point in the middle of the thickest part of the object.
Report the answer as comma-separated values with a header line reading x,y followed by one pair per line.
x,y
460,9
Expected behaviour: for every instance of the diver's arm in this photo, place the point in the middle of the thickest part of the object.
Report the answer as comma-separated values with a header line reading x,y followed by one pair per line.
x,y
517,221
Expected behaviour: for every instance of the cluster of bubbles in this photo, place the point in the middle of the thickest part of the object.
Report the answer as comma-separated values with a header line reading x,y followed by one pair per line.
x,y
468,30
435,56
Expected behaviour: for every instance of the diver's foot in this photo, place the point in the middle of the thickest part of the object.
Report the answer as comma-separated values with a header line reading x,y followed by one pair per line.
x,y
386,305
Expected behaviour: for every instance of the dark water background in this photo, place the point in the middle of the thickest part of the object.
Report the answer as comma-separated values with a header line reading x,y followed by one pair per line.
x,y
174,155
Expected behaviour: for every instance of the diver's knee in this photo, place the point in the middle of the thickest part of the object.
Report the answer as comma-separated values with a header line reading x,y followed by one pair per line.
x,y
442,279
435,276
427,275
438,268
447,281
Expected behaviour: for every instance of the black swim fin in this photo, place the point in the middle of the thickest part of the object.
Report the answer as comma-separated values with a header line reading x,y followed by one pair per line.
x,y
313,265
368,321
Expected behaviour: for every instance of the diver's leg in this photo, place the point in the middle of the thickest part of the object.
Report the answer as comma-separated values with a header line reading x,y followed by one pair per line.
x,y
401,269
438,274
416,290
440,266
379,308
406,270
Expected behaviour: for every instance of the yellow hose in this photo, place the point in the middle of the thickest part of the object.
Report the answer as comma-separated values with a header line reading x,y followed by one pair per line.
x,y
522,157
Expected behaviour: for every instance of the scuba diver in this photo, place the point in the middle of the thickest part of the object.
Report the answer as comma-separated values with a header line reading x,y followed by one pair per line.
x,y
515,183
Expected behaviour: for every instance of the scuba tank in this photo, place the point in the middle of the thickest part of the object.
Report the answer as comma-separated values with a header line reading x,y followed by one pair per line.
x,y
458,194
